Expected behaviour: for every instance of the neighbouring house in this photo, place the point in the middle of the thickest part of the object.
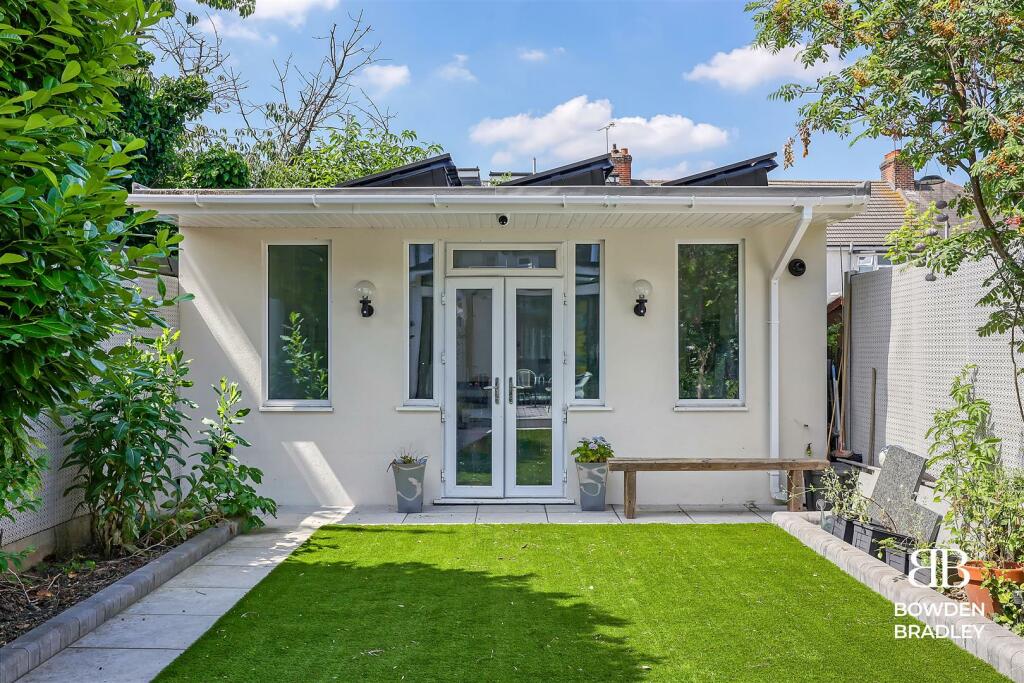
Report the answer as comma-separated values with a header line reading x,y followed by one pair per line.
x,y
858,244
491,327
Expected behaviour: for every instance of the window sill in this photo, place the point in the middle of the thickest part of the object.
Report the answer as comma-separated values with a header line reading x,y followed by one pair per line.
x,y
296,409
417,409
589,408
710,409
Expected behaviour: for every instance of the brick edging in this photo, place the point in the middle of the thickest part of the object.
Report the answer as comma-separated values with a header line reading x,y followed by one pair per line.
x,y
31,649
995,644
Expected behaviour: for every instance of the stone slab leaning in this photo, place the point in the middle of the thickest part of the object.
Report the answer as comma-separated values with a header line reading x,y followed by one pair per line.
x,y
31,649
996,645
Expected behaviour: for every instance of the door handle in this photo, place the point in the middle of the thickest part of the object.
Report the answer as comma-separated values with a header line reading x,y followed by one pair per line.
x,y
511,392
496,388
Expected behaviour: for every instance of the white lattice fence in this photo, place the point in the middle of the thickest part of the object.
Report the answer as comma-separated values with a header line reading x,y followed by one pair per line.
x,y
918,335
57,508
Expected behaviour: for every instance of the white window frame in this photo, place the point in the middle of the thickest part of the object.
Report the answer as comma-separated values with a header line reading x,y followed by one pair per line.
x,y
293,405
570,336
452,247
438,327
701,404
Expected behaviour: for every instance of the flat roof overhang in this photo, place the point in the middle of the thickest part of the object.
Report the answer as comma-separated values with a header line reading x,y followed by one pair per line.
x,y
343,207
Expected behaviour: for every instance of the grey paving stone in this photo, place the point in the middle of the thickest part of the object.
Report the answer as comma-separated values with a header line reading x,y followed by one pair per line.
x,y
141,631
188,600
99,665
219,577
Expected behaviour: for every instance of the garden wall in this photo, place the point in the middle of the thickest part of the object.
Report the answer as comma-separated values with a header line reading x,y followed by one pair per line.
x,y
58,510
917,335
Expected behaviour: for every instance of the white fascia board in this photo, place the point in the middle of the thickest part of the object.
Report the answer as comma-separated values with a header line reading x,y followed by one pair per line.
x,y
191,204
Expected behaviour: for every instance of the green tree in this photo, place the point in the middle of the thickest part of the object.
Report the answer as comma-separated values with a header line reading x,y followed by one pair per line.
x,y
64,225
945,77
347,153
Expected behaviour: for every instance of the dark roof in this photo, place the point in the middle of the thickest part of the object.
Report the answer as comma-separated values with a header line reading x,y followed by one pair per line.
x,y
436,171
593,171
746,173
469,177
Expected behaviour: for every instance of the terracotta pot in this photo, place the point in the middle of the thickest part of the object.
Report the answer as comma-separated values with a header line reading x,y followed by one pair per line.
x,y
975,572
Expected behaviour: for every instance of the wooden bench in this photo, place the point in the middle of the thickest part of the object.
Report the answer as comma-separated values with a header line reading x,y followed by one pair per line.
x,y
794,481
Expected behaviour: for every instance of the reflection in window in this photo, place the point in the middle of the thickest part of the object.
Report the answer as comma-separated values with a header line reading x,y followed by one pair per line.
x,y
297,321
504,258
588,321
421,321
709,309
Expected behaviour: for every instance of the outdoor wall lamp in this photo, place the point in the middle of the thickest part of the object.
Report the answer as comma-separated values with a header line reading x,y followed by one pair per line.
x,y
642,288
366,290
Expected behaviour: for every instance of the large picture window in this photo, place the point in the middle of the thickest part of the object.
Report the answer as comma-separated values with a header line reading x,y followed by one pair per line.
x,y
587,339
297,343
709,323
421,322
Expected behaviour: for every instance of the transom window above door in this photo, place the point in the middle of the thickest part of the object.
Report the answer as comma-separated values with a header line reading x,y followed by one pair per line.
x,y
491,259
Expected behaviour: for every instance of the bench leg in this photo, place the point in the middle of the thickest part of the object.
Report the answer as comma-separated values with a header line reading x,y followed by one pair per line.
x,y
795,489
629,497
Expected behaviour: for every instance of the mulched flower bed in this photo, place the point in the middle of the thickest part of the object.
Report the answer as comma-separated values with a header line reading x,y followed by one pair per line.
x,y
52,586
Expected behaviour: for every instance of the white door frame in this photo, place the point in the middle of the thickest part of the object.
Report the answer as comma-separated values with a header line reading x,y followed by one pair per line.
x,y
503,413
557,487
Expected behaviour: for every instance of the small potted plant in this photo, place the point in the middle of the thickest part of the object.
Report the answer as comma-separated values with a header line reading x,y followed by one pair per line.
x,y
843,503
592,455
410,469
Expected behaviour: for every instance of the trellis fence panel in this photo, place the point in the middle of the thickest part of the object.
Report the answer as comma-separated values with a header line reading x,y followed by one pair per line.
x,y
916,336
57,508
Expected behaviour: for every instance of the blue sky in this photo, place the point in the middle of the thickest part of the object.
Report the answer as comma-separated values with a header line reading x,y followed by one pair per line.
x,y
497,83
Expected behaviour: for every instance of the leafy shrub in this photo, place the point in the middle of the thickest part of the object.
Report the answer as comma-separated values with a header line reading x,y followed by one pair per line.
x,y
842,495
217,167
593,449
124,439
64,225
986,502
219,484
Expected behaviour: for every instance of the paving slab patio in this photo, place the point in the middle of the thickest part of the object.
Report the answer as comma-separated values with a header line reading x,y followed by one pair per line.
x,y
138,643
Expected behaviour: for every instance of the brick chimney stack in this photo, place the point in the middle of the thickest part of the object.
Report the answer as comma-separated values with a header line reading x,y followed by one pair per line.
x,y
897,172
622,160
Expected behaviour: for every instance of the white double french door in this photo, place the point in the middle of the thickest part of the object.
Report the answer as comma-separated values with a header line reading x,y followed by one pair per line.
x,y
503,387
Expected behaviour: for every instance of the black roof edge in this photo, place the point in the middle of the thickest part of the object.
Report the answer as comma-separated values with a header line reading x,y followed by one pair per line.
x,y
416,167
729,170
575,167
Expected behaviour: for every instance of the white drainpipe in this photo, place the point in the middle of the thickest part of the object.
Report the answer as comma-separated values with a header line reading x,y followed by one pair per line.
x,y
778,488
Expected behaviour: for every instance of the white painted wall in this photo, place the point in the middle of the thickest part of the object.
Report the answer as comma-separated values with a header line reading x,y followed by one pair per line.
x,y
340,457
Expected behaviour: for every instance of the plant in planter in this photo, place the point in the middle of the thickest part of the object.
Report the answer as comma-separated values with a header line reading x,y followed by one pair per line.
x,y
592,455
410,469
986,501
844,503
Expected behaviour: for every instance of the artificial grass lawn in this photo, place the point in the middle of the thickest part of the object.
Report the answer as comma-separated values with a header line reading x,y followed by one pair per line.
x,y
741,602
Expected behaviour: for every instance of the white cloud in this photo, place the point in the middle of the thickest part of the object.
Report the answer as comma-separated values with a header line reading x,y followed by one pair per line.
x,y
380,79
680,170
745,67
457,70
538,54
533,55
233,28
292,12
570,131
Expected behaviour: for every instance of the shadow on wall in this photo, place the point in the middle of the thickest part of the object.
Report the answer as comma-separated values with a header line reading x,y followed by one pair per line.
x,y
318,619
871,316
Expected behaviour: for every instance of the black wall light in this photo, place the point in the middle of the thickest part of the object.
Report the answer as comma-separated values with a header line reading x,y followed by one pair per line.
x,y
643,290
366,290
